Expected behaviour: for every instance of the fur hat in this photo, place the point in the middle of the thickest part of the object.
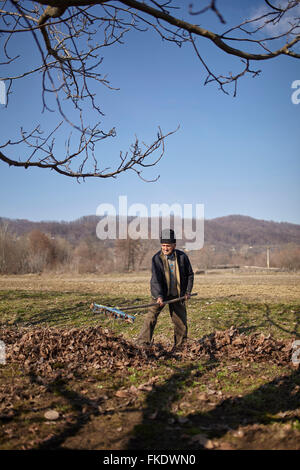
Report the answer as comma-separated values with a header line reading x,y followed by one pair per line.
x,y
167,236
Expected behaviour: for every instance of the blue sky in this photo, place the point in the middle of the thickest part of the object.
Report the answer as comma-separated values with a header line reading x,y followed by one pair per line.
x,y
234,155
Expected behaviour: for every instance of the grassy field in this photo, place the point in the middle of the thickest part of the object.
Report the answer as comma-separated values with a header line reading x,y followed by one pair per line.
x,y
169,403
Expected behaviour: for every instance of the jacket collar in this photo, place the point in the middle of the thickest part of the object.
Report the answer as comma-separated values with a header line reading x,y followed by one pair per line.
x,y
167,272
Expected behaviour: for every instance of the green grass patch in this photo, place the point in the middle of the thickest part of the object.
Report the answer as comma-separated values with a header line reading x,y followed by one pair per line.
x,y
60,309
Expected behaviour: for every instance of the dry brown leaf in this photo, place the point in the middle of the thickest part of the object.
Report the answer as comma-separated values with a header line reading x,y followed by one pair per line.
x,y
122,393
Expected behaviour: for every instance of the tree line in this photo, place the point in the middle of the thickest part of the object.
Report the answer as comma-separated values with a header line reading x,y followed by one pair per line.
x,y
38,252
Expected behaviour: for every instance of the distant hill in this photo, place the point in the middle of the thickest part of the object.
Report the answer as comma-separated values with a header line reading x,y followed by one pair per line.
x,y
83,227
231,230
240,229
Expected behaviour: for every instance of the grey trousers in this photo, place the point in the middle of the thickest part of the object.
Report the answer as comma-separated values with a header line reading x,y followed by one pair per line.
x,y
178,316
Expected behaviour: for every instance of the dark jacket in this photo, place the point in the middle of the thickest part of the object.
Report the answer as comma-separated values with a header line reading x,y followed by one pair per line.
x,y
158,282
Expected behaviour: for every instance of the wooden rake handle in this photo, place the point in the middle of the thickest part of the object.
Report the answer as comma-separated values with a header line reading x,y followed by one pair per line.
x,y
178,299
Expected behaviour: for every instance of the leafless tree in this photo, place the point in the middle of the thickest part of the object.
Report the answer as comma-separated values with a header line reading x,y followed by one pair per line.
x,y
65,34
127,251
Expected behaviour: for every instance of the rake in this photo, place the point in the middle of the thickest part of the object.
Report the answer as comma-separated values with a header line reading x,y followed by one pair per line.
x,y
115,312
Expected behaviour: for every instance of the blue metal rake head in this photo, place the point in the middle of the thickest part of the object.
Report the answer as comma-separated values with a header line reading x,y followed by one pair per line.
x,y
112,312
119,314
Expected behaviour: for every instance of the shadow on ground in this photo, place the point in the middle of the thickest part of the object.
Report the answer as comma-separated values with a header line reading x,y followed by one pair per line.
x,y
160,428
256,407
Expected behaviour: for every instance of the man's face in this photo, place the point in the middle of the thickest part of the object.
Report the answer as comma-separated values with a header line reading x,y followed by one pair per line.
x,y
168,248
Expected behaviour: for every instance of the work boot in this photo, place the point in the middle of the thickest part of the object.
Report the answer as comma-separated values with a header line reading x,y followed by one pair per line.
x,y
143,345
179,347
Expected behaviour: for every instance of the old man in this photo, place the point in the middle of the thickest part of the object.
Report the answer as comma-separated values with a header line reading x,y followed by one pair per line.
x,y
172,277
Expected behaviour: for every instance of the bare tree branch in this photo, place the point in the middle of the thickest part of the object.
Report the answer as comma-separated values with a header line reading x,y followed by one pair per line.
x,y
66,35
42,154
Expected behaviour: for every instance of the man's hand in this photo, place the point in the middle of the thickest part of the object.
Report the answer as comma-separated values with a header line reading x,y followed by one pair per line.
x,y
160,301
187,296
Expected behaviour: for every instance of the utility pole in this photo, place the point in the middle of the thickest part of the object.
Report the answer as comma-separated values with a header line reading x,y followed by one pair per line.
x,y
268,257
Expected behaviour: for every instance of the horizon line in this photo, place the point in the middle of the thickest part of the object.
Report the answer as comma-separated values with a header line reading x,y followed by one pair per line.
x,y
149,217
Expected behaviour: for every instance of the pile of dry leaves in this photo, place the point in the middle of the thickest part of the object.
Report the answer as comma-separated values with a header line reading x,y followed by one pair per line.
x,y
255,347
47,349
76,348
